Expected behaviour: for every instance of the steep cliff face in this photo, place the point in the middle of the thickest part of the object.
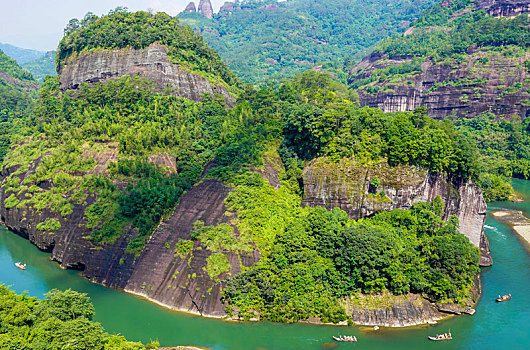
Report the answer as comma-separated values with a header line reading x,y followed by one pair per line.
x,y
347,186
205,8
391,311
151,63
487,81
469,64
504,8
159,273
191,7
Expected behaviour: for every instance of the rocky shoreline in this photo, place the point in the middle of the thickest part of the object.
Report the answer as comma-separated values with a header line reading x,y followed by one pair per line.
x,y
516,220
387,310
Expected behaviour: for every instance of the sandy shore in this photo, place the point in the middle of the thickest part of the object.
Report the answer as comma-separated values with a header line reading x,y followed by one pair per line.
x,y
516,220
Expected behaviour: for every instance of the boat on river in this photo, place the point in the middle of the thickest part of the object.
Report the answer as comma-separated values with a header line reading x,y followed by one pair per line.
x,y
346,338
20,265
503,298
439,337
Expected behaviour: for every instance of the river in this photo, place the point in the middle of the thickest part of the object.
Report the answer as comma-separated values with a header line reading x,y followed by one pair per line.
x,y
494,326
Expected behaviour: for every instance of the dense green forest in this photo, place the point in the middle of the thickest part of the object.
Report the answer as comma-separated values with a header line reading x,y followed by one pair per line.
x,y
473,29
15,99
262,45
9,66
448,34
504,151
313,258
42,66
63,320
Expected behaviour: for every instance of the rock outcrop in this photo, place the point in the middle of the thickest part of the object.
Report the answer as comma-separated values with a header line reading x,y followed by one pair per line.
x,y
347,186
404,311
151,63
227,7
191,7
205,8
486,82
389,310
158,273
480,80
503,8
17,83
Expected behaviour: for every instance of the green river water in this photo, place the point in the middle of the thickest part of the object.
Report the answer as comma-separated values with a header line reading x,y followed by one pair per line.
x,y
494,326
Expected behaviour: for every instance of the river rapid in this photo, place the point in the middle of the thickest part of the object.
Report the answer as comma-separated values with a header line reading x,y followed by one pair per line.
x,y
494,326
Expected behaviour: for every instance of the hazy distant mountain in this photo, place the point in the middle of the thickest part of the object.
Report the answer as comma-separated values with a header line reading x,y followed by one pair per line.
x,y
42,66
21,55
39,63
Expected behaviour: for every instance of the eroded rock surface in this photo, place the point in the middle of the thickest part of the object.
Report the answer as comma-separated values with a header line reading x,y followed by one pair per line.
x,y
151,63
191,7
408,311
486,82
347,186
483,80
205,8
158,273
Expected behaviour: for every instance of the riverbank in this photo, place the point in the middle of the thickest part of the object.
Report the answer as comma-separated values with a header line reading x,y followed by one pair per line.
x,y
140,320
516,220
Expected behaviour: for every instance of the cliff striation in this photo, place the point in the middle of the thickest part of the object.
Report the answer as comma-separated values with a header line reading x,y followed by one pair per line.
x,y
347,186
475,62
160,273
504,8
151,63
486,81
389,310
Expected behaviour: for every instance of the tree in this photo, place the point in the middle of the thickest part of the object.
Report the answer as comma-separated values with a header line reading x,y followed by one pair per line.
x,y
65,305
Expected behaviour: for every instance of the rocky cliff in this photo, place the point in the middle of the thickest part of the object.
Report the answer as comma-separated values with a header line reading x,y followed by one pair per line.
x,y
453,75
347,186
389,310
487,81
179,279
151,63
191,7
504,8
205,8
160,273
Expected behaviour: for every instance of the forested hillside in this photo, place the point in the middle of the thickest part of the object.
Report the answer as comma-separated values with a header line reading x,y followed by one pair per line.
x,y
467,61
42,66
17,91
21,55
38,63
104,166
263,41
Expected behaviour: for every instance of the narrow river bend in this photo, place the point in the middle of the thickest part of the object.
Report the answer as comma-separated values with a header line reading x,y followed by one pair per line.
x,y
494,326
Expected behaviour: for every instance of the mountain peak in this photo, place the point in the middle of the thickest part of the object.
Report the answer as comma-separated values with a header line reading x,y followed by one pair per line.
x,y
205,8
191,7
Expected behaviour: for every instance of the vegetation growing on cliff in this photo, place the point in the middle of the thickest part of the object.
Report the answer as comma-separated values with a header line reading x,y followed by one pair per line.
x,y
268,40
455,34
504,147
325,122
63,320
312,257
123,153
121,29
448,31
